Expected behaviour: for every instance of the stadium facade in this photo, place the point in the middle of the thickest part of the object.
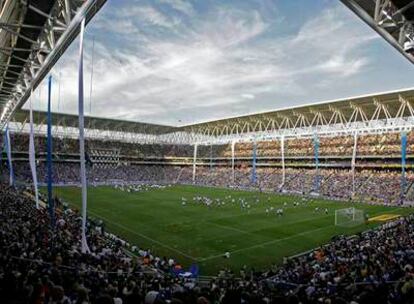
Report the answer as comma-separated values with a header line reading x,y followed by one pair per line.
x,y
337,148
36,34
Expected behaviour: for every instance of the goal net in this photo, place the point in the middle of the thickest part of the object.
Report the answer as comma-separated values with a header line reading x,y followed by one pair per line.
x,y
349,217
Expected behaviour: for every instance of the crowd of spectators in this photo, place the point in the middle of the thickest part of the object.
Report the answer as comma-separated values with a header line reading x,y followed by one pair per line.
x,y
373,267
377,161
334,183
20,143
367,145
367,185
69,173
40,263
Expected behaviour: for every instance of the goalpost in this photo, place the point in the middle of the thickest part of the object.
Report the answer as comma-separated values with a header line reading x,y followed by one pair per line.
x,y
349,217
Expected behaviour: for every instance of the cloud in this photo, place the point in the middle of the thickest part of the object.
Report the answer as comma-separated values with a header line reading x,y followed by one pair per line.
x,y
182,6
173,62
343,66
332,44
148,14
247,96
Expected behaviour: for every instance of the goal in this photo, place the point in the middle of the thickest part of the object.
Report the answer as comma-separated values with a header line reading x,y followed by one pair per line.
x,y
349,217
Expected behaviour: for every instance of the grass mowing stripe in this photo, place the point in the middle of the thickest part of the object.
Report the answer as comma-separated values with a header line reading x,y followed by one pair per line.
x,y
270,242
254,232
278,240
156,219
144,236
225,227
229,228
237,230
265,243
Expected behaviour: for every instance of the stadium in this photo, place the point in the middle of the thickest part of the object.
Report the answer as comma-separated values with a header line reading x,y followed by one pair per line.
x,y
175,151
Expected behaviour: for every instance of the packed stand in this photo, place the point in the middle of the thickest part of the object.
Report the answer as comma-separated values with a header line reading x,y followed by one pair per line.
x,y
40,264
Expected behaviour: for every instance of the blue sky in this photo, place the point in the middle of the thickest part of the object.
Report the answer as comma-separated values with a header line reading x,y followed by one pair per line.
x,y
179,62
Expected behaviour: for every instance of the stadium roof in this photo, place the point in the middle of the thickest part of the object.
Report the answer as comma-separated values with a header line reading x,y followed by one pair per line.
x,y
393,20
33,35
36,33
313,114
387,111
71,121
255,55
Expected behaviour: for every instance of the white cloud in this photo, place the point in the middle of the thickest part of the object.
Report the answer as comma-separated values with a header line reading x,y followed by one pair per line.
x,y
149,14
157,66
343,66
247,96
229,28
182,6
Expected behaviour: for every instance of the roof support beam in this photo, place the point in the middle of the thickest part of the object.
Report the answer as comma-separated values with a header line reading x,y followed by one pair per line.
x,y
15,49
18,35
405,105
60,30
13,72
18,25
8,65
36,10
387,21
404,8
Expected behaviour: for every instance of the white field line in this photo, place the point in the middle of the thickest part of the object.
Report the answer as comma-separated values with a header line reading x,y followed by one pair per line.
x,y
229,228
279,240
254,232
206,222
264,244
222,226
144,236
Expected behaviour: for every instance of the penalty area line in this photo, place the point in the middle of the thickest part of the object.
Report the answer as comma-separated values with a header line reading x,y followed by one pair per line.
x,y
254,232
263,244
278,240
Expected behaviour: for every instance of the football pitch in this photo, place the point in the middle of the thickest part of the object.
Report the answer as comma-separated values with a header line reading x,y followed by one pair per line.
x,y
195,233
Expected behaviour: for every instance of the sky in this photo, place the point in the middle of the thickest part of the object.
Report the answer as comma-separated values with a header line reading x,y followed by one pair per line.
x,y
179,62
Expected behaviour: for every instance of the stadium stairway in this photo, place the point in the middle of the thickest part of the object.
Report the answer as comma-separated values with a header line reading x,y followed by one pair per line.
x,y
325,180
409,192
290,178
179,175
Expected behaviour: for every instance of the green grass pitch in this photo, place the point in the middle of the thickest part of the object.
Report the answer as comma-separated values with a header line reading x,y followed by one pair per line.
x,y
192,233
